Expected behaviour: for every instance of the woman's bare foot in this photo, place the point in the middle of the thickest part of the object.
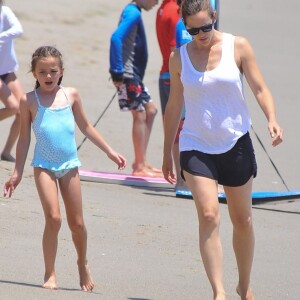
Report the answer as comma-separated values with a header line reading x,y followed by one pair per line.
x,y
50,282
249,295
7,157
86,280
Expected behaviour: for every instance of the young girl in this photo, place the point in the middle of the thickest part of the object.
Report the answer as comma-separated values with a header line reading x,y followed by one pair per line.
x,y
10,88
52,109
215,145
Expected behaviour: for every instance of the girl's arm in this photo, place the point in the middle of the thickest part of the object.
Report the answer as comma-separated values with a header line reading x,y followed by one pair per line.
x,y
247,62
22,148
91,133
15,28
172,115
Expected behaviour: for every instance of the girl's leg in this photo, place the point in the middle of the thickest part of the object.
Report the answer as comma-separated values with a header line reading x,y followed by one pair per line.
x,y
204,191
17,91
239,200
48,193
71,192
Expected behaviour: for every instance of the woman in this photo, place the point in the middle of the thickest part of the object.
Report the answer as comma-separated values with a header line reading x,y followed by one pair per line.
x,y
215,146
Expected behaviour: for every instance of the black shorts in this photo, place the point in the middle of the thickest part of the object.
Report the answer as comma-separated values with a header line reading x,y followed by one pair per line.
x,y
3,77
233,168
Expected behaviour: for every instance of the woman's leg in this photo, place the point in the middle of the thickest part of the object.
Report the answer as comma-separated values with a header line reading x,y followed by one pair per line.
x,y
71,192
17,91
48,193
239,200
204,191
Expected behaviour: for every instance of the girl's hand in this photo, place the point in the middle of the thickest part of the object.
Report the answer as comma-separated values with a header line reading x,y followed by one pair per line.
x,y
11,185
167,169
276,133
118,159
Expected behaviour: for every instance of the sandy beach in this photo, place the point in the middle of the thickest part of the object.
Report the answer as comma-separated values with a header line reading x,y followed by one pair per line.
x,y
143,242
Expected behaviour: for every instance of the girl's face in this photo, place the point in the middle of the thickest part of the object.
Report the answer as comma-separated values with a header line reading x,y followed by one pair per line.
x,y
201,27
48,72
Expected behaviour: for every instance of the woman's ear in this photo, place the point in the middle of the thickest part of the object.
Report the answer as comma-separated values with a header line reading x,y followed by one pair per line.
x,y
215,15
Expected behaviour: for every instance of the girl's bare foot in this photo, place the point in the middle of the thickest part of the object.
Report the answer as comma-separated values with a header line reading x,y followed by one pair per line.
x,y
7,157
249,295
50,282
86,280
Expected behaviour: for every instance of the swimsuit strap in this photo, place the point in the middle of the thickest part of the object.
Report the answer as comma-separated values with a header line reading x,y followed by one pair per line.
x,y
37,97
65,94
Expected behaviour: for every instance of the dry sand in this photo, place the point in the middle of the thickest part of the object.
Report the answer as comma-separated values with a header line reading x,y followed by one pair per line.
x,y
143,242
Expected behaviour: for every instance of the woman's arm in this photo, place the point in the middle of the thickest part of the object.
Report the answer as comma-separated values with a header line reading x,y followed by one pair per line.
x,y
172,114
263,95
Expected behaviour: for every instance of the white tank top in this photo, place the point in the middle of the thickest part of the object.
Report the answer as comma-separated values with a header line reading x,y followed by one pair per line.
x,y
216,111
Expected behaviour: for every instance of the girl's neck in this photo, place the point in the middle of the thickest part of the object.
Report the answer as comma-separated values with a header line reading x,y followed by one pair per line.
x,y
45,92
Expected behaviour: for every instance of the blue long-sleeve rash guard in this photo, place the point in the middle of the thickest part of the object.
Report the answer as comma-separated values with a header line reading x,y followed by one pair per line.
x,y
128,45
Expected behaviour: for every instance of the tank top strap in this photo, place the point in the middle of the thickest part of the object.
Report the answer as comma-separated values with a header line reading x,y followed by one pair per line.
x,y
37,98
228,48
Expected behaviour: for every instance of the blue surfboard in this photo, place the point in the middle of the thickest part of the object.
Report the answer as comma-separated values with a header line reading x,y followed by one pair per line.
x,y
261,196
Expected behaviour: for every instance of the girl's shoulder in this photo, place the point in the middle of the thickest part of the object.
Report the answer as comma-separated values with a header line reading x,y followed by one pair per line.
x,y
71,93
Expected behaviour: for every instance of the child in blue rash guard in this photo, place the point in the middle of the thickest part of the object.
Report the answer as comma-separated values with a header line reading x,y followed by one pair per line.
x,y
128,61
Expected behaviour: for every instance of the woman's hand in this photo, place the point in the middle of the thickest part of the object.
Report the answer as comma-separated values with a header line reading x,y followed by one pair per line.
x,y
167,169
276,133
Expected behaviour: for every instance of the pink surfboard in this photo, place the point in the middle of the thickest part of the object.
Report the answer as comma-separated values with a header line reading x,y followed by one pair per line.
x,y
123,179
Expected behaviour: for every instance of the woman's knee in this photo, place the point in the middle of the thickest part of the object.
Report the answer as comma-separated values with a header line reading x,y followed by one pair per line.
x,y
242,223
53,222
77,227
209,218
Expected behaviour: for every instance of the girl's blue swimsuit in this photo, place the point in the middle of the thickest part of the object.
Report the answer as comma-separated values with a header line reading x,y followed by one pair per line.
x,y
55,148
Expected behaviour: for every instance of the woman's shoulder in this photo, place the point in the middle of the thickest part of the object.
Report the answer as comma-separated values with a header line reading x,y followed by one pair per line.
x,y
241,41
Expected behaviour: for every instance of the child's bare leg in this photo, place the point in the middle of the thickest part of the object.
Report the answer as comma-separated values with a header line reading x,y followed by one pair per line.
x,y
71,193
139,138
47,189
